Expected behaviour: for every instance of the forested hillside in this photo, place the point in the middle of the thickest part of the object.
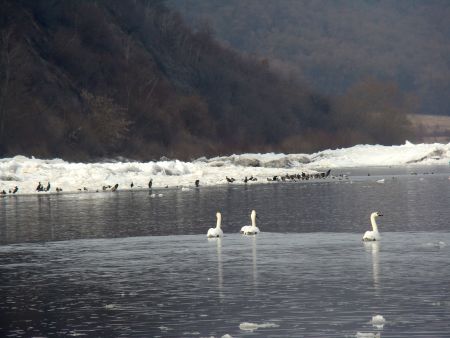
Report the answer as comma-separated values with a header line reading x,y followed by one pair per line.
x,y
84,80
334,44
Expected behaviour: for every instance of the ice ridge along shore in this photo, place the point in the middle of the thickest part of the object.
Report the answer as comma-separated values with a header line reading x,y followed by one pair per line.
x,y
26,172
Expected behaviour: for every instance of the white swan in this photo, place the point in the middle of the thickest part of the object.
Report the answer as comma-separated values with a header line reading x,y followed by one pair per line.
x,y
217,231
251,229
373,235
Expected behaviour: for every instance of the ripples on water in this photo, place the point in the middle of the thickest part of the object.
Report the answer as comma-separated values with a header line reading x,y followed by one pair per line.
x,y
307,275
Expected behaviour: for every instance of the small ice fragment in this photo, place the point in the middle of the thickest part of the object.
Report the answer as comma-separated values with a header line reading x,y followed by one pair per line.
x,y
438,244
226,336
109,306
160,195
185,189
74,333
381,181
367,335
245,326
378,321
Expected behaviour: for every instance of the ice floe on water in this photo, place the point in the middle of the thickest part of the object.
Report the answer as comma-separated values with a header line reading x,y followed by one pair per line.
x,y
245,326
437,244
378,321
367,335
25,173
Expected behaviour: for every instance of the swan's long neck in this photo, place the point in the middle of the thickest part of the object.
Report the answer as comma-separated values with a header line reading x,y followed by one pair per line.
x,y
219,220
253,217
374,223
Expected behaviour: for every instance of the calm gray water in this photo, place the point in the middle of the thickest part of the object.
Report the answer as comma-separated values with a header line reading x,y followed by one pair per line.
x,y
127,264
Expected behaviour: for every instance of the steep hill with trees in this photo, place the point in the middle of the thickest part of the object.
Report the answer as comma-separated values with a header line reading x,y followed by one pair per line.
x,y
84,80
332,45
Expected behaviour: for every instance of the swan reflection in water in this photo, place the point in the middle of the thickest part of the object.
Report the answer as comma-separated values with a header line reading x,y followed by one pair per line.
x,y
220,267
218,241
255,266
373,249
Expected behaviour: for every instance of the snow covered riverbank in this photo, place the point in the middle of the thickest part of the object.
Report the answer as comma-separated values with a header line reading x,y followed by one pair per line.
x,y
27,172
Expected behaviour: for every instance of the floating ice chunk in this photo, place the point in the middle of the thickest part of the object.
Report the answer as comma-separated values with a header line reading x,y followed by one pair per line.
x,y
75,333
226,336
367,335
110,306
185,189
378,321
381,181
438,244
245,326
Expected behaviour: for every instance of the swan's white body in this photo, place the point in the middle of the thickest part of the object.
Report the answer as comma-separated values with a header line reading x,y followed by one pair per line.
x,y
251,229
373,235
217,231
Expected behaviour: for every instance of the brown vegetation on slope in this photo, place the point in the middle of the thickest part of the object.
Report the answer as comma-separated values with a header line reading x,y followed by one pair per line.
x,y
88,79
430,128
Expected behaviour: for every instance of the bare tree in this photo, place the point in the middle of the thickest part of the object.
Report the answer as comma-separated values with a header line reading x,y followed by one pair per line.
x,y
6,55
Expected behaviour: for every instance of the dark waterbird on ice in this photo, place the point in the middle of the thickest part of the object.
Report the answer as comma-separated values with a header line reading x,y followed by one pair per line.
x,y
115,187
197,183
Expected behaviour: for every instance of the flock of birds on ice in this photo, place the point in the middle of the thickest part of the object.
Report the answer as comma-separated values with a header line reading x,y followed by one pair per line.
x,y
277,178
251,230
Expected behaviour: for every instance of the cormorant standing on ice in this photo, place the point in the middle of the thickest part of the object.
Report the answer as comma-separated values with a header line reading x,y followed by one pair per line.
x,y
132,185
115,187
150,183
245,180
328,173
16,188
197,183
229,180
39,187
48,186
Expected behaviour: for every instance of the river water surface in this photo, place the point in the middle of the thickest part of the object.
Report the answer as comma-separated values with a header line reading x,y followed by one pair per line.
x,y
134,264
